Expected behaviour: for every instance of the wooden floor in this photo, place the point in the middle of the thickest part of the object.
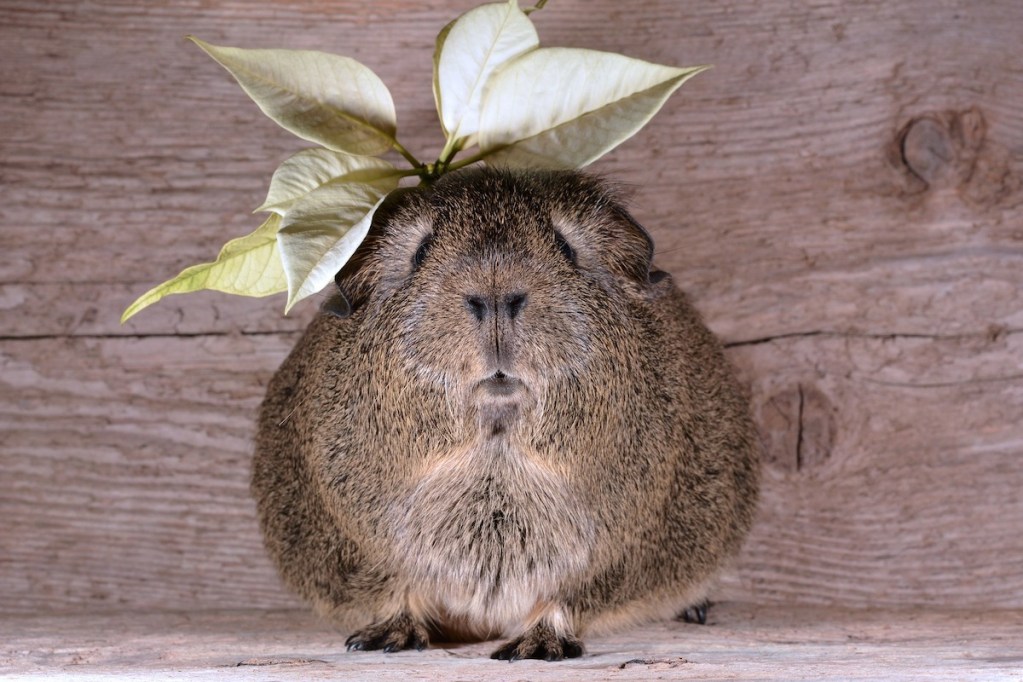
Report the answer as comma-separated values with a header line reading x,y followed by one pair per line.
x,y
740,642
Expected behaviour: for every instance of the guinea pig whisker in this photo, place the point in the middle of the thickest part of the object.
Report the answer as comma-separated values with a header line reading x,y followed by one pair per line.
x,y
449,397
287,417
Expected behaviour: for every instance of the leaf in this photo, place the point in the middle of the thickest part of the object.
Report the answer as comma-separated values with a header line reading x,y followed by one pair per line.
x,y
249,265
320,232
311,169
331,100
581,104
468,51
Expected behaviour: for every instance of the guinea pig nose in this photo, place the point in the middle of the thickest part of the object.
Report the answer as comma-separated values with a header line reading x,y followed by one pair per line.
x,y
478,306
509,305
514,303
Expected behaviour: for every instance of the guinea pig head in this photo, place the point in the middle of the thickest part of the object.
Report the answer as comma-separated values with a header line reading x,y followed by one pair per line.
x,y
504,289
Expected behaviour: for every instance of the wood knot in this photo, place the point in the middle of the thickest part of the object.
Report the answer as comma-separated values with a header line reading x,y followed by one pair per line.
x,y
798,426
927,149
940,149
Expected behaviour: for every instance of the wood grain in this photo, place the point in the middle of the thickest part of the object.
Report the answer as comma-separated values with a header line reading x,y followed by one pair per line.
x,y
892,476
842,195
739,643
124,485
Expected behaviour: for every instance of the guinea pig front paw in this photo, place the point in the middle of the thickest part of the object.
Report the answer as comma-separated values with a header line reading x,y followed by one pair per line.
x,y
397,634
697,613
542,642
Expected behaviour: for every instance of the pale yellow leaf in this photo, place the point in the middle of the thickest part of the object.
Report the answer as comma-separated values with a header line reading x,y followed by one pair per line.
x,y
579,104
324,98
321,231
249,265
311,169
468,51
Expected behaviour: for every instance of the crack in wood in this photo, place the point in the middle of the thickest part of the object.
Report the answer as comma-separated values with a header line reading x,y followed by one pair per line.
x,y
157,335
654,663
260,662
799,428
944,384
1002,332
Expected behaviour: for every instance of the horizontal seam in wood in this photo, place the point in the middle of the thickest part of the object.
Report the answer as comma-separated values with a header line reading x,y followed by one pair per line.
x,y
728,344
877,336
158,335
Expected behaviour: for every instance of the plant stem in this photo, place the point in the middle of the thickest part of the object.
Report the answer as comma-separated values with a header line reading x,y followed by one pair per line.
x,y
416,163
538,6
451,148
478,156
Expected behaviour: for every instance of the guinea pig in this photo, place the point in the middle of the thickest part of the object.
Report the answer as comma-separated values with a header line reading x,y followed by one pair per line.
x,y
505,423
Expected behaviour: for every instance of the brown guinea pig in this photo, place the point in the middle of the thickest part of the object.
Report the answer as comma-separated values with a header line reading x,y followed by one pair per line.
x,y
506,424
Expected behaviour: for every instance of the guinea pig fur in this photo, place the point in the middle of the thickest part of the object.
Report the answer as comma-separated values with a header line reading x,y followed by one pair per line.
x,y
505,423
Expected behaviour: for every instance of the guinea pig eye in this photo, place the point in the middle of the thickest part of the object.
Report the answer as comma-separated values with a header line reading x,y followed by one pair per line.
x,y
420,254
566,249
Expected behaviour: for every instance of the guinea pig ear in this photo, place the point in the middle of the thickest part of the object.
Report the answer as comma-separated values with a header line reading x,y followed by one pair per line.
x,y
635,250
352,280
337,305
360,276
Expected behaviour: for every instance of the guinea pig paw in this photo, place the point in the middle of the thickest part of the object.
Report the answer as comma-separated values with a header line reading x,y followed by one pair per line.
x,y
540,642
697,613
397,634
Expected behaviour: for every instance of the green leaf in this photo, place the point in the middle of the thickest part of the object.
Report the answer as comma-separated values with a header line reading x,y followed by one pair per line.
x,y
311,169
580,104
321,231
249,265
331,100
468,51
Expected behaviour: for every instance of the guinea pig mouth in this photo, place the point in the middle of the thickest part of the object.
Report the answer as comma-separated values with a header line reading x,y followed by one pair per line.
x,y
500,385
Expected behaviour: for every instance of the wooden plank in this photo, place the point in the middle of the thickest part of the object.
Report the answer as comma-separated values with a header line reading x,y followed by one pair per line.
x,y
125,483
126,465
892,471
776,185
740,643
82,309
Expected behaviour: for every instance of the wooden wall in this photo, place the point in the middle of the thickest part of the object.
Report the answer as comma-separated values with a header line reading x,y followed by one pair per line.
x,y
842,195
